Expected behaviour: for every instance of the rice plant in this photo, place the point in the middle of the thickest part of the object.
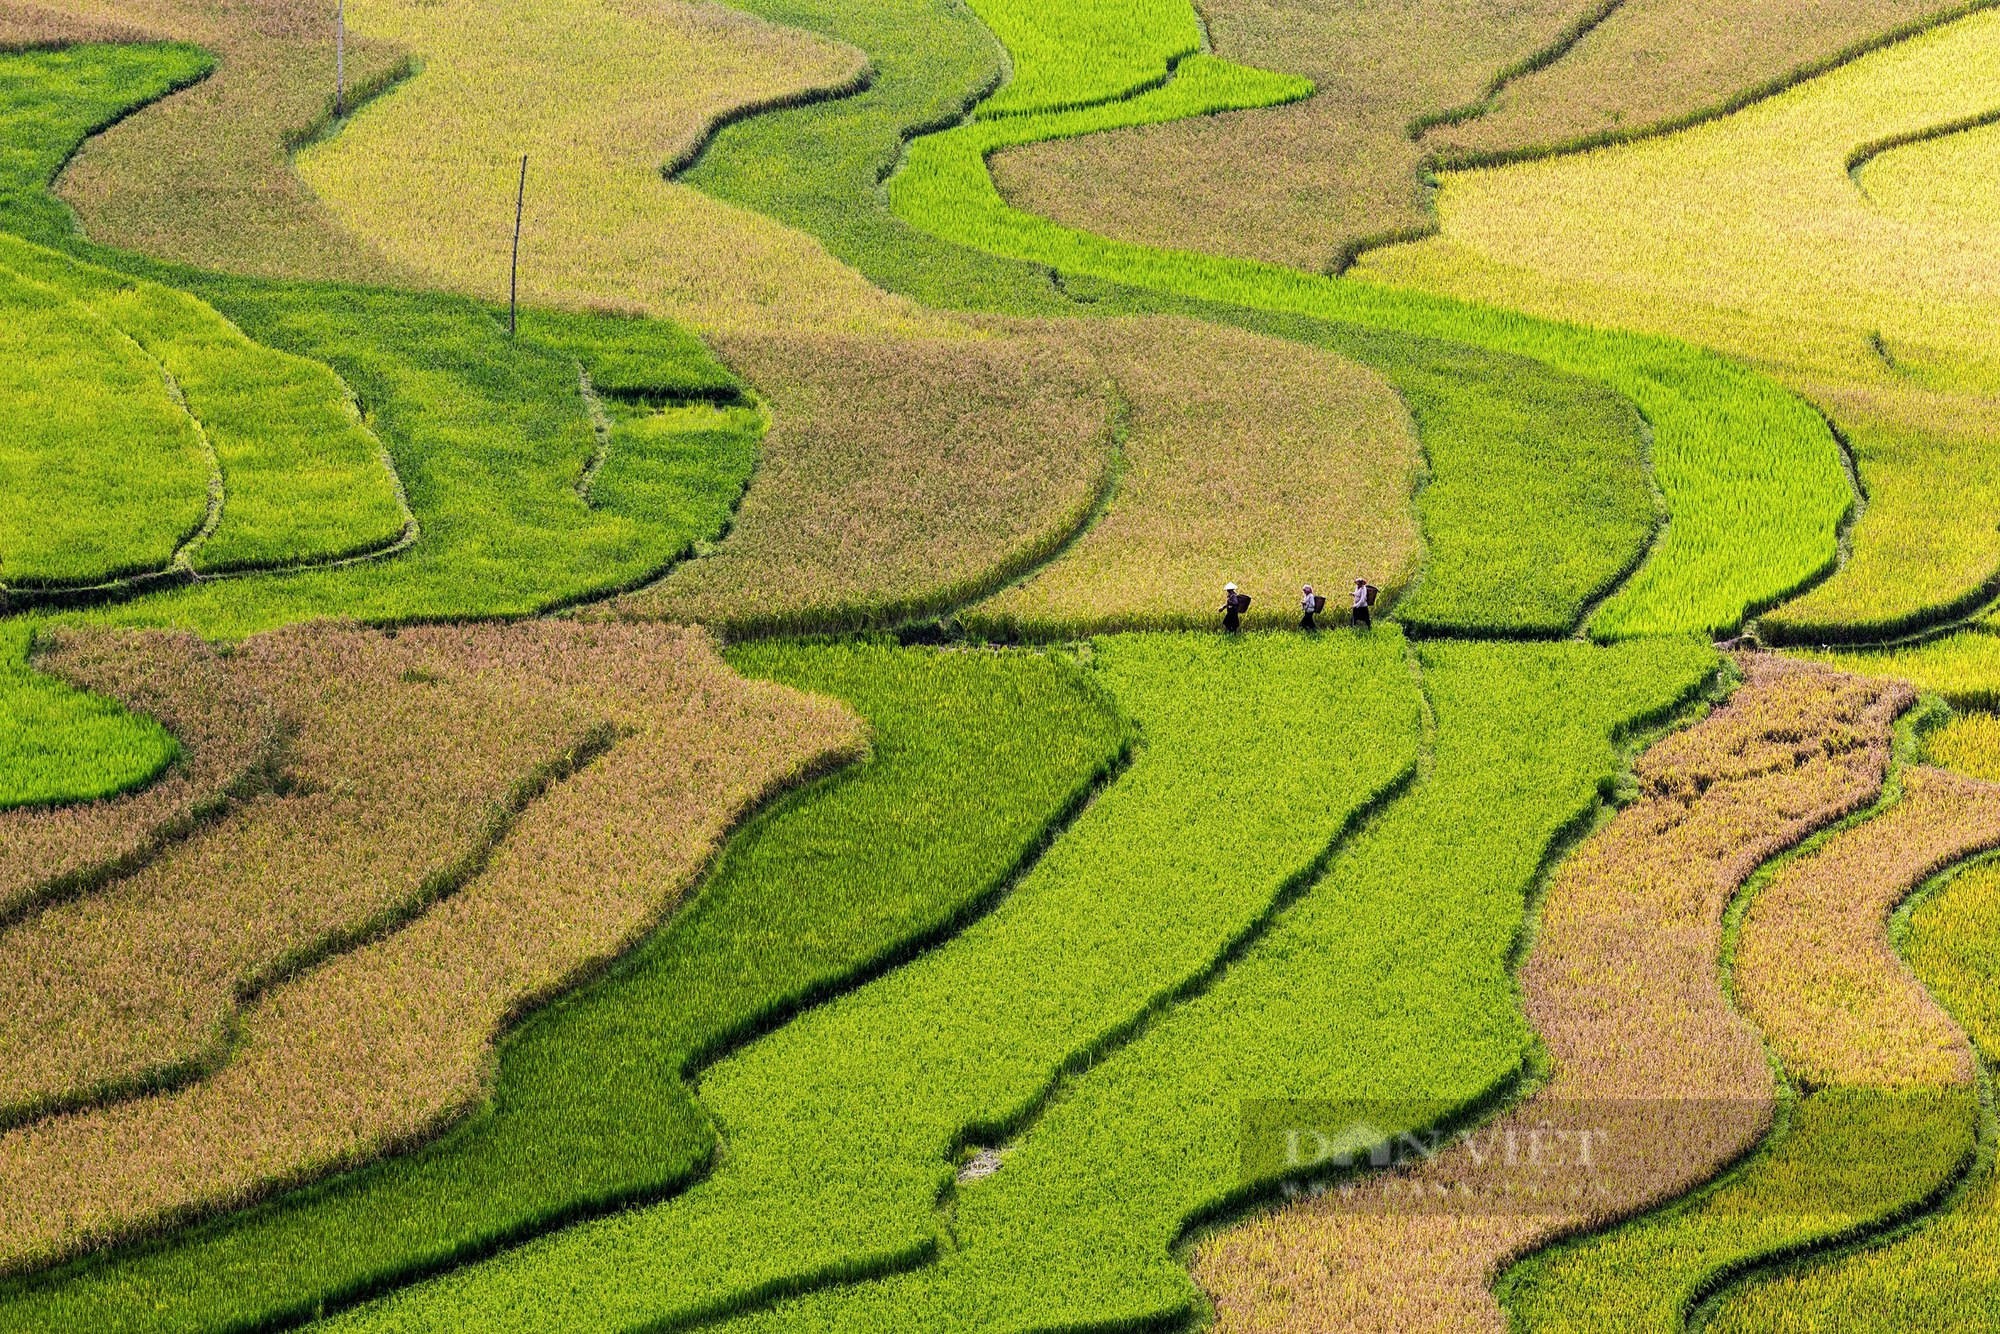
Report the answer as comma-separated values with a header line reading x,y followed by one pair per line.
x,y
1753,481
1851,1158
602,227
297,477
1760,235
1271,461
1944,1275
840,1127
1093,51
386,1044
1642,68
1304,185
52,100
397,787
156,700
1504,436
975,757
1640,1045
103,472
1386,978
1886,1113
60,744
1963,667
900,477
490,437
395,987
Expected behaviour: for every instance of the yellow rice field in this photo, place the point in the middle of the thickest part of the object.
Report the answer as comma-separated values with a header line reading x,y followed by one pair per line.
x,y
600,95
1877,298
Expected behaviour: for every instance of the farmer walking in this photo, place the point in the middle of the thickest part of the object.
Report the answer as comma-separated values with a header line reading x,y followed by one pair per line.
x,y
1234,604
1364,603
1312,604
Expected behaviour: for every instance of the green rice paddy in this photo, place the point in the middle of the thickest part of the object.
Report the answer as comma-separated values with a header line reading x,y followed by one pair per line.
x,y
966,1034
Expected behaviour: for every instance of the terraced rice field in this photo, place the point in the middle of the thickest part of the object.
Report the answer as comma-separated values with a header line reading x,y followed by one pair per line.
x,y
900,477
1274,459
1752,460
694,773
1641,65
285,471
1885,1115
143,510
332,1063
1641,1042
1940,1275
64,743
974,758
94,715
1866,304
605,228
1333,172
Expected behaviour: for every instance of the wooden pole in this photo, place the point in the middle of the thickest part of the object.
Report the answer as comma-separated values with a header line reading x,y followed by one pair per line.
x,y
514,274
339,58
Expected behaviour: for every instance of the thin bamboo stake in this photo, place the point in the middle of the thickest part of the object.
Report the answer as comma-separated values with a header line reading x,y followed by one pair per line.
x,y
339,58
514,274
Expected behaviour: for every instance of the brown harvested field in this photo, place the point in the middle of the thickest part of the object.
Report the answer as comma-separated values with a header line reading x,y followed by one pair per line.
x,y
900,476
1655,61
395,779
226,732
1815,968
381,1045
1624,988
24,25
1246,458
1302,183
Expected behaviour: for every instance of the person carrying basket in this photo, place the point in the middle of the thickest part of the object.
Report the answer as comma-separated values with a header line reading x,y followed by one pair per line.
x,y
1364,603
1234,604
